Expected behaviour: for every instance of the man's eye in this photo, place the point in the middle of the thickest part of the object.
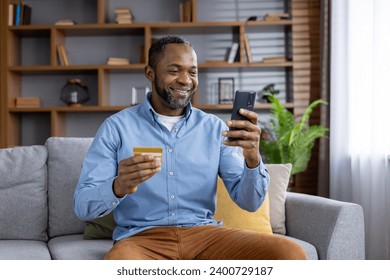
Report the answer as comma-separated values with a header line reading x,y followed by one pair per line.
x,y
194,73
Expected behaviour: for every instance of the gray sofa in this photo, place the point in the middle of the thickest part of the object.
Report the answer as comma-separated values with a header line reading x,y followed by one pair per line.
x,y
37,219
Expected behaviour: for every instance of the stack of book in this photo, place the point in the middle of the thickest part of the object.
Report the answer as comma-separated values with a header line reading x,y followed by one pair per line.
x,y
65,22
27,102
123,15
19,14
276,16
62,55
118,61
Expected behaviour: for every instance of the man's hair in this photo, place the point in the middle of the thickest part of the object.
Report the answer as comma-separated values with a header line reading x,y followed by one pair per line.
x,y
156,51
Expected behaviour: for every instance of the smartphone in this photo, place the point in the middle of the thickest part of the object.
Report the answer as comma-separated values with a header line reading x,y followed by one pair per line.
x,y
245,100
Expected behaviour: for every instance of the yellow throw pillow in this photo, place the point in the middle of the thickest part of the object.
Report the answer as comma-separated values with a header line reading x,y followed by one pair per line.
x,y
234,217
271,215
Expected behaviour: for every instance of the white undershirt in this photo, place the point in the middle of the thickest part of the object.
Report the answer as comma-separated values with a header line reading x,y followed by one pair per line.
x,y
169,122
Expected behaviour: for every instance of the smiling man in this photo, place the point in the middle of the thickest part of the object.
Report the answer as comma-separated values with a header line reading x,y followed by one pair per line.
x,y
164,204
173,72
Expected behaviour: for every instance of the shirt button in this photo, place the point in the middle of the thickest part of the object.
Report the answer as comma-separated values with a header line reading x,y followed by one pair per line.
x,y
171,173
113,203
172,196
172,214
170,150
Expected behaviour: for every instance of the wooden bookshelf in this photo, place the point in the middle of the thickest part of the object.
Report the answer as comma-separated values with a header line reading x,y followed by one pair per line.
x,y
20,68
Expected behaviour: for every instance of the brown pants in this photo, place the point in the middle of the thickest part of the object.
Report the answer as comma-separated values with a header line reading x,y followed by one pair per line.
x,y
204,243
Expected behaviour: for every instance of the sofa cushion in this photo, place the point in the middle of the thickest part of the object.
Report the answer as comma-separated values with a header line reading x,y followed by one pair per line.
x,y
74,247
100,228
24,250
280,177
233,216
271,215
66,156
23,187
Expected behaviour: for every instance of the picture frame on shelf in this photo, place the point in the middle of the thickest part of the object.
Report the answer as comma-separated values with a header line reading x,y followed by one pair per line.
x,y
138,94
225,90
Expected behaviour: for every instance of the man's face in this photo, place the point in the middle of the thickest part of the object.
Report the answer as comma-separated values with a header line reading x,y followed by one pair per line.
x,y
176,79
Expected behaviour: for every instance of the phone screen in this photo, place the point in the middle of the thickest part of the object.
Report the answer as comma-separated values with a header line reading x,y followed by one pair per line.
x,y
245,100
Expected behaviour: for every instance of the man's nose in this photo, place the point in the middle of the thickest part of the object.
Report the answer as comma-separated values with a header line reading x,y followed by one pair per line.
x,y
184,78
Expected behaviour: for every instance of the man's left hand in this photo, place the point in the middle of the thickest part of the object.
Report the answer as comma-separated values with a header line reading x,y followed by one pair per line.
x,y
246,135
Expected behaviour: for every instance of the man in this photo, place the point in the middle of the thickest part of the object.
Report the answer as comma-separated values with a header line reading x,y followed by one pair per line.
x,y
164,208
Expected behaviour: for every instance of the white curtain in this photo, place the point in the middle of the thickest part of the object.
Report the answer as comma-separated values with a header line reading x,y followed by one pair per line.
x,y
360,114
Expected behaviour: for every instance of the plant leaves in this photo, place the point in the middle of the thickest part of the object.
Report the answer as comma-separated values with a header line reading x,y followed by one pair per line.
x,y
290,142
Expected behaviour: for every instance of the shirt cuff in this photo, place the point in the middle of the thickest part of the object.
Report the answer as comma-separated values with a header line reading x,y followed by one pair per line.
x,y
108,197
263,171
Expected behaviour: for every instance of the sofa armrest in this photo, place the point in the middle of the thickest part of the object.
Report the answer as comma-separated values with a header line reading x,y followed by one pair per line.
x,y
334,227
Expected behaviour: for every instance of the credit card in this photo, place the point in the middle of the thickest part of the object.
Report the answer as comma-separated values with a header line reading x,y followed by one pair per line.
x,y
155,151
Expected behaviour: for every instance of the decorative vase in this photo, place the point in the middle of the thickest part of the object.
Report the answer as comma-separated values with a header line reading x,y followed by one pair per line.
x,y
74,93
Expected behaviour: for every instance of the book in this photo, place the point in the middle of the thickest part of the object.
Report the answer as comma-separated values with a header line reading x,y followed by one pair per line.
x,y
248,51
123,15
26,15
233,52
122,10
185,11
65,22
18,11
11,14
123,21
275,59
62,55
276,16
27,102
19,14
118,61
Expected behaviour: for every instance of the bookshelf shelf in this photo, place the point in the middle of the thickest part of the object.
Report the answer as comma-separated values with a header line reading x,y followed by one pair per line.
x,y
113,26
33,64
47,69
224,64
64,109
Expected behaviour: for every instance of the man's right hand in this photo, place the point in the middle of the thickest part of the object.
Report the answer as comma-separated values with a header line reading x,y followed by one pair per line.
x,y
133,171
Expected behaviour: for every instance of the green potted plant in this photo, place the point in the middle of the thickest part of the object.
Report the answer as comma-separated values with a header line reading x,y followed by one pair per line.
x,y
286,141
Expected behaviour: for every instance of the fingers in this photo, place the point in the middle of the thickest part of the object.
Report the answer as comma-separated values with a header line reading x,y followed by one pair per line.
x,y
241,131
133,171
139,165
245,134
250,115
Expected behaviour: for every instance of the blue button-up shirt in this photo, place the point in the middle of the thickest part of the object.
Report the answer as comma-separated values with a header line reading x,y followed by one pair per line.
x,y
183,193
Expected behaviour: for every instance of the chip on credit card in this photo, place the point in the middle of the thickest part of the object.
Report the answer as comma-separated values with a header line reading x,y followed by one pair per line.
x,y
154,151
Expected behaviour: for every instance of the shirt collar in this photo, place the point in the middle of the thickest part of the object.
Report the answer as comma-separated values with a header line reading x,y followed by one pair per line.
x,y
152,114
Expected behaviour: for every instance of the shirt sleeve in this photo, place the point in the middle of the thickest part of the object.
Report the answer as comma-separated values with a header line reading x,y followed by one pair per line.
x,y
94,196
246,186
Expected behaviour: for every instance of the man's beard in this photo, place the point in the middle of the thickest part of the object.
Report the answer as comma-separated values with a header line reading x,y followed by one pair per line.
x,y
172,103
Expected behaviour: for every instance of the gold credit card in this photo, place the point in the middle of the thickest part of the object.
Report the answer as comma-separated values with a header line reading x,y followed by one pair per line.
x,y
155,151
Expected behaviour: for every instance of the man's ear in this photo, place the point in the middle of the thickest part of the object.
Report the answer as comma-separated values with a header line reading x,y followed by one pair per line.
x,y
149,73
